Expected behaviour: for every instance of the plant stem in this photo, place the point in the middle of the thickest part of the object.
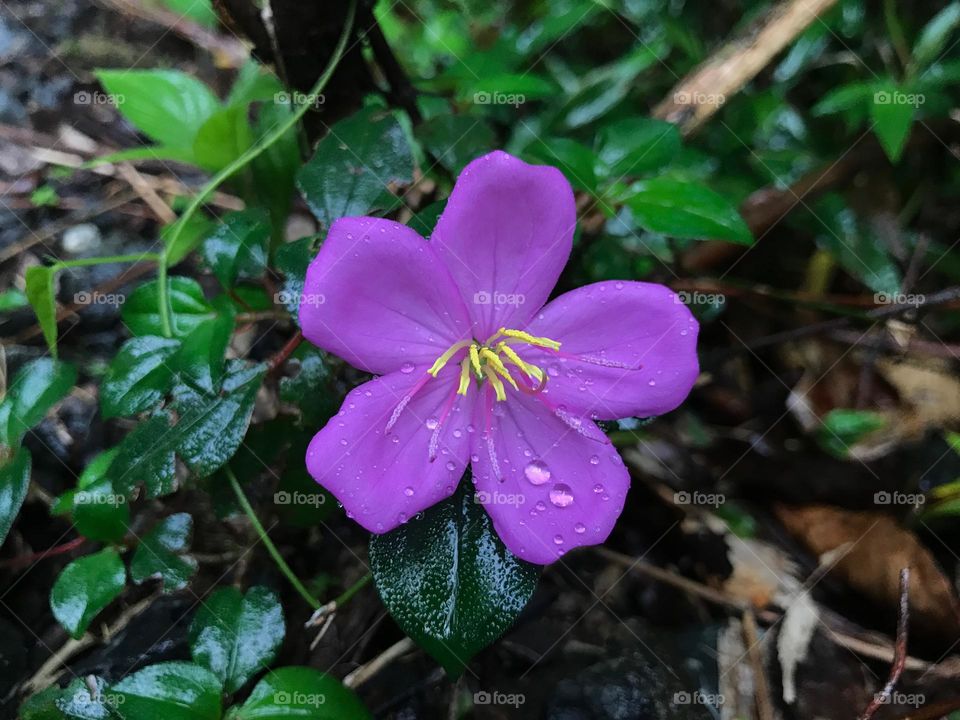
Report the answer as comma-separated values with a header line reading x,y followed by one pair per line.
x,y
345,596
268,543
86,262
251,153
166,315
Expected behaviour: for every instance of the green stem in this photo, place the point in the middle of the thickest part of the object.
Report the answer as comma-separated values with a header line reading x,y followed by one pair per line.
x,y
85,262
268,543
345,596
252,152
166,314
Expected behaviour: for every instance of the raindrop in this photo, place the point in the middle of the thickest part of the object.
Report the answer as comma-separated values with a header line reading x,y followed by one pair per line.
x,y
594,459
553,371
406,368
343,441
598,488
579,528
408,491
652,383
458,433
432,423
558,539
537,472
451,466
541,506
561,495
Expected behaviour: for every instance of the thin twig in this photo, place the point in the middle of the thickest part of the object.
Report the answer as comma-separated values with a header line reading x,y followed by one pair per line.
x,y
368,670
900,656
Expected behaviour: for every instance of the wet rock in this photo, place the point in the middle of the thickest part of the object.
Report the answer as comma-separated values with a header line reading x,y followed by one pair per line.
x,y
82,238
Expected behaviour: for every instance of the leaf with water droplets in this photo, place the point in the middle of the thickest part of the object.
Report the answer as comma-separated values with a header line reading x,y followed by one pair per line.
x,y
448,580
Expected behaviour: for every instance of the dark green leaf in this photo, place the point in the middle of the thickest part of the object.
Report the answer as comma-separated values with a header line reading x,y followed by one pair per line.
x,y
202,355
275,169
224,137
238,247
189,308
843,98
510,88
448,580
303,693
236,636
292,260
635,146
892,112
187,239
171,691
353,165
146,456
843,428
574,160
40,292
455,140
43,705
79,701
99,512
14,480
165,105
311,389
85,587
162,554
139,376
686,210
211,427
935,35
36,387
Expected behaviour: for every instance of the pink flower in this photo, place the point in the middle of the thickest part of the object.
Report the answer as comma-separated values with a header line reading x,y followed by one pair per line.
x,y
475,369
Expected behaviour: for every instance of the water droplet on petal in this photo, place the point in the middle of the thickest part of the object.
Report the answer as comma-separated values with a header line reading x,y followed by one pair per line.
x,y
561,495
558,539
451,466
598,488
541,505
408,491
652,383
594,459
579,528
537,472
406,368
432,423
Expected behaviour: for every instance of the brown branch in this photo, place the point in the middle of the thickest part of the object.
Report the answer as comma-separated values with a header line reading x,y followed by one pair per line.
x,y
900,656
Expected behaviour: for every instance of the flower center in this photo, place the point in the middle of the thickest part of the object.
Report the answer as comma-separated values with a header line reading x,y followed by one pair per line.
x,y
488,361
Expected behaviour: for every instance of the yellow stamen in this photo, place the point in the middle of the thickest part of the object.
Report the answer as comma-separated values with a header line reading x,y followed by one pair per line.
x,y
493,360
475,361
531,371
464,377
496,382
445,358
530,339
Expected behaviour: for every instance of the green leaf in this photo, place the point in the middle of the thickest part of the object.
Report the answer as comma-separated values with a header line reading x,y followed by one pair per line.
x,y
236,636
81,702
892,112
574,160
211,428
448,580
85,587
635,146
171,691
686,210
935,35
189,238
201,357
353,165
302,693
13,299
98,511
165,105
146,456
40,292
14,481
224,137
238,247
199,10
842,428
455,140
275,169
292,260
312,388
43,705
846,97
163,554
188,307
139,376
36,387
254,83
500,88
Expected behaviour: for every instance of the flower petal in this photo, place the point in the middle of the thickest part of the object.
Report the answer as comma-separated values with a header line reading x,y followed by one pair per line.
x,y
382,477
547,487
378,296
505,235
638,348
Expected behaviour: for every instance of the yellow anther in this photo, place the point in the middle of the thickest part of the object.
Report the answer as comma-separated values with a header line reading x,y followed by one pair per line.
x,y
445,358
530,339
475,361
531,371
496,382
494,361
464,377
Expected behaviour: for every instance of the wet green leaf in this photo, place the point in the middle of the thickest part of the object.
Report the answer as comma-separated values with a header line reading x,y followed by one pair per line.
x,y
935,35
139,376
35,388
449,582
188,306
237,636
455,140
85,587
163,554
892,112
146,456
238,246
303,693
40,292
635,146
311,389
171,691
292,260
14,481
99,512
201,357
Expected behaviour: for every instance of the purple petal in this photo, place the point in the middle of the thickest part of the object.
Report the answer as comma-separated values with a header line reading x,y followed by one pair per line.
x,y
378,296
505,235
548,487
384,477
627,349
